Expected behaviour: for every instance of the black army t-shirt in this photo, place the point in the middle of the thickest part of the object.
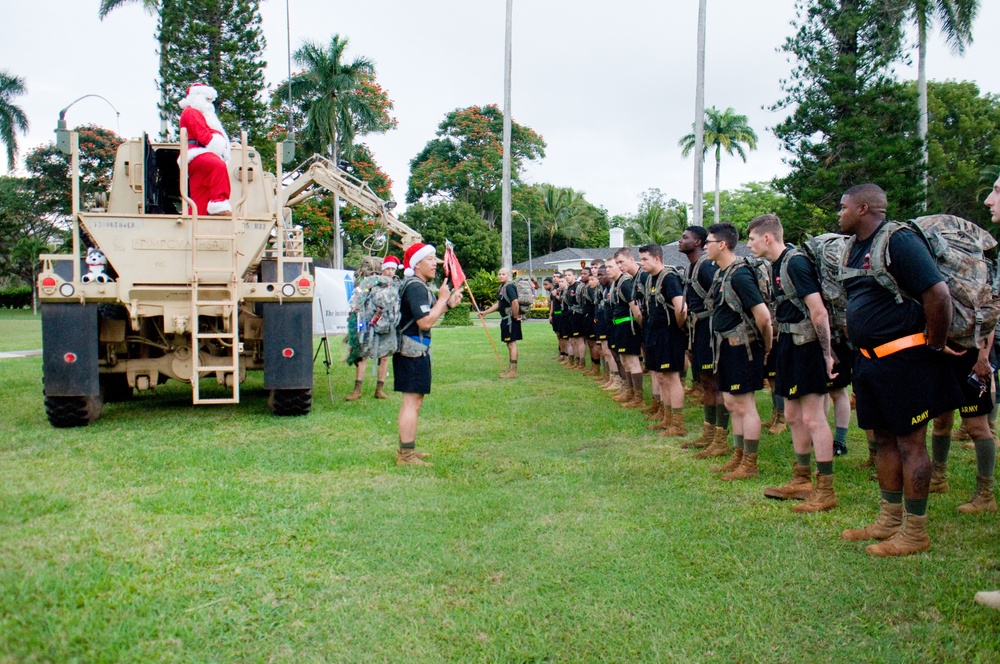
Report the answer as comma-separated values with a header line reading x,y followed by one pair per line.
x,y
802,274
622,295
506,297
415,302
873,316
669,284
744,283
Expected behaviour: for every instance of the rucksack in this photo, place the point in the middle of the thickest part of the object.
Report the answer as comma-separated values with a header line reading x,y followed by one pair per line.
x,y
656,288
525,294
746,332
826,252
376,301
958,247
762,271
803,331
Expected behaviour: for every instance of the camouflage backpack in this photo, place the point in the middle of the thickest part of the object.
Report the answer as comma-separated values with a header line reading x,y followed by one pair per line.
x,y
723,293
958,247
376,302
525,294
826,252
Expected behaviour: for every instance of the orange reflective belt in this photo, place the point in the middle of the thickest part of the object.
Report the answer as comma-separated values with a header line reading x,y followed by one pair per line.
x,y
895,346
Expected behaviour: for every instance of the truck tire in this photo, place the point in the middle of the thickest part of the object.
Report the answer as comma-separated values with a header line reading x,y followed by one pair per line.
x,y
115,388
66,412
290,402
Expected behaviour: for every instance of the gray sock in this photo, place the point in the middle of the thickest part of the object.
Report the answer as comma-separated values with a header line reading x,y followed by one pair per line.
x,y
986,457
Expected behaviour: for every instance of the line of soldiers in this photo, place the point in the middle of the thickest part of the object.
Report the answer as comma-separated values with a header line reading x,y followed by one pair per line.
x,y
741,323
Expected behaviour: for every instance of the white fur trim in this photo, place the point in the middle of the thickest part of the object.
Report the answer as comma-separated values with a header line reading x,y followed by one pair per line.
x,y
220,146
390,264
217,207
422,253
407,272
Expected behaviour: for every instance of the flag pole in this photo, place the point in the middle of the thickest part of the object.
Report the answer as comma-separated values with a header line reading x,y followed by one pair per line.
x,y
455,274
483,321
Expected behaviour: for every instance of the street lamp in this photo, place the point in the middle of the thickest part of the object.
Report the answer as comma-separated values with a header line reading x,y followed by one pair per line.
x,y
531,274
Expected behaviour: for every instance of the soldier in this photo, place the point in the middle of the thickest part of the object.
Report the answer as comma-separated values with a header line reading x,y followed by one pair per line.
x,y
603,326
389,265
697,282
990,598
626,331
573,327
902,378
510,319
590,299
803,361
741,327
411,366
663,328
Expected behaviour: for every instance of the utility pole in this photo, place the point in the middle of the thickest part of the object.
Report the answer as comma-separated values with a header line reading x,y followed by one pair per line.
x,y
699,123
505,222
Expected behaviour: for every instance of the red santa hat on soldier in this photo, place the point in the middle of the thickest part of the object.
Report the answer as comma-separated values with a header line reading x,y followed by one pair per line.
x,y
390,263
208,151
414,254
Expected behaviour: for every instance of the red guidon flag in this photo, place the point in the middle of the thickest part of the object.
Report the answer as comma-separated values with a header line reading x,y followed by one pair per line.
x,y
452,268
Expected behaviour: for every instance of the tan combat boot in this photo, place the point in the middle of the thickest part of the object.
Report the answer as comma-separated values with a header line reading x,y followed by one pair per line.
x,y
821,499
961,434
911,538
654,411
411,457
676,425
379,391
356,394
887,524
635,402
613,385
665,419
719,447
939,478
625,393
779,426
700,443
870,463
798,488
746,470
990,598
982,500
770,422
731,465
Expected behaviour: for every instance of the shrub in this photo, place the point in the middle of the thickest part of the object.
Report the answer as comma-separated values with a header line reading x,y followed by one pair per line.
x,y
538,313
484,286
457,316
15,297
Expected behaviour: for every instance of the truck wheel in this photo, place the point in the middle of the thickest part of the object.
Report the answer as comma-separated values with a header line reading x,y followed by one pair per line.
x,y
115,388
290,402
65,412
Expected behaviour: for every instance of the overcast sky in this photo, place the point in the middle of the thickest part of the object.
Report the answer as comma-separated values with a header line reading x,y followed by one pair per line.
x,y
609,85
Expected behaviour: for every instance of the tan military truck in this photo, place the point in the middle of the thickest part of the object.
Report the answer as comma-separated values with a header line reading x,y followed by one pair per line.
x,y
182,296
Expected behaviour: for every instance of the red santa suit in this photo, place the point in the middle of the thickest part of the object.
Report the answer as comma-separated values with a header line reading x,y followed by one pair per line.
x,y
208,151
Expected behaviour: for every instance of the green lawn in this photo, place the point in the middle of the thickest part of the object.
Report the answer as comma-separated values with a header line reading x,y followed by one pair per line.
x,y
552,527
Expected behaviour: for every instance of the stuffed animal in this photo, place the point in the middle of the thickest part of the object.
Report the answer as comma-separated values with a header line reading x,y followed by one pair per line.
x,y
97,261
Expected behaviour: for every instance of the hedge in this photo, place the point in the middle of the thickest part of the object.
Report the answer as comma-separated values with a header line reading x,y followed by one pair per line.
x,y
458,316
16,297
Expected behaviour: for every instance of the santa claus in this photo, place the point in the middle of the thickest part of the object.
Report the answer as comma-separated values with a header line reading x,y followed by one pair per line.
x,y
208,151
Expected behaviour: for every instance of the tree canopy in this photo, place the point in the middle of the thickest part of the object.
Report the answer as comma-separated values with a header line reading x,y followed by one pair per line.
x,y
12,119
465,162
476,246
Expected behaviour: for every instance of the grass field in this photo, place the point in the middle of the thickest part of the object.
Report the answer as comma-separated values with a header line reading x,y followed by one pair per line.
x,y
553,527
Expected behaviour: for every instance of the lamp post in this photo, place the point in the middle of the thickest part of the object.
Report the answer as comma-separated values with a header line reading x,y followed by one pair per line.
x,y
531,274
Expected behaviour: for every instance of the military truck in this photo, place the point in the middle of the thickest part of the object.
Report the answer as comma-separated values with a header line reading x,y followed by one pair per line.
x,y
184,296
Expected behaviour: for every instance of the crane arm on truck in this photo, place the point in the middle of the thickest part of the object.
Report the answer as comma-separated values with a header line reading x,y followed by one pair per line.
x,y
320,173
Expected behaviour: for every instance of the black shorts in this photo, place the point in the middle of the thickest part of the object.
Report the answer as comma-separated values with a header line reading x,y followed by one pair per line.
x,y
588,327
738,373
557,323
800,369
624,340
510,330
901,392
411,374
843,366
701,348
974,404
602,328
665,348
770,367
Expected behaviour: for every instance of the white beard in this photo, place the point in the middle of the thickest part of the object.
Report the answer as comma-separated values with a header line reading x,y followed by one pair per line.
x,y
207,109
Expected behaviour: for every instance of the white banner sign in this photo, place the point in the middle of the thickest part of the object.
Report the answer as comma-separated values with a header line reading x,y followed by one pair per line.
x,y
333,290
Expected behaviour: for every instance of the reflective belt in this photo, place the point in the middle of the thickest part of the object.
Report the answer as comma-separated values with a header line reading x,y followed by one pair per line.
x,y
895,346
556,313
420,340
619,321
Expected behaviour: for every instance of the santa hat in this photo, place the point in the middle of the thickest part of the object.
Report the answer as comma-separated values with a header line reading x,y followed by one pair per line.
x,y
414,254
390,262
199,91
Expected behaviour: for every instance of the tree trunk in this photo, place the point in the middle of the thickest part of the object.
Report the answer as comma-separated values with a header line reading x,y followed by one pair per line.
x,y
718,168
338,242
699,122
505,240
922,100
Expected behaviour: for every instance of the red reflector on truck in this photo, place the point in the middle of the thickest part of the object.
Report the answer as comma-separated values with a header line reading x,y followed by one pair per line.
x,y
288,352
48,281
70,358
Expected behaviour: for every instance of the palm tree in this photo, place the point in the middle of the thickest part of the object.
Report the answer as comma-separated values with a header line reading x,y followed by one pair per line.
x,y
724,131
564,212
12,118
151,7
329,92
956,17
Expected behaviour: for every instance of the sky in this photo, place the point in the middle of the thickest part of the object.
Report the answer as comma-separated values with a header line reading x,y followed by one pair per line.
x,y
609,85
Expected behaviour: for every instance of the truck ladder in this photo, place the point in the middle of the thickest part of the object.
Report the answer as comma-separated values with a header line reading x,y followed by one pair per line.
x,y
208,280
